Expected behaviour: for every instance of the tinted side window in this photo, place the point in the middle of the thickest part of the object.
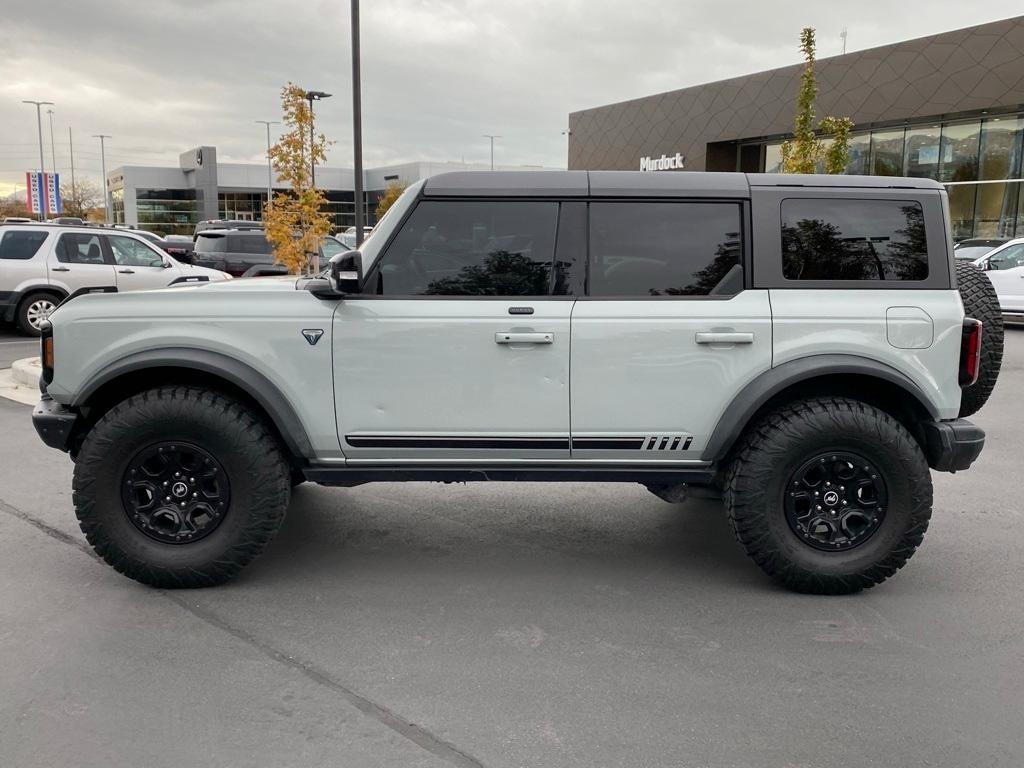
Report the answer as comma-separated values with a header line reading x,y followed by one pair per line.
x,y
248,244
665,249
80,248
833,239
470,248
21,245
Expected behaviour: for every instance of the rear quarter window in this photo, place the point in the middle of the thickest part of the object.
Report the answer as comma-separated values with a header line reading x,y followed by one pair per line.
x,y
210,243
21,246
849,239
248,244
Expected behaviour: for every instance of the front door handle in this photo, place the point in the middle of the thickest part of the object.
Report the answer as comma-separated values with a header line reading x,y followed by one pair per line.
x,y
724,337
60,269
515,337
126,271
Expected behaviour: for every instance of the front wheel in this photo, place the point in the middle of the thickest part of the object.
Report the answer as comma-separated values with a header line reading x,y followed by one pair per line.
x,y
829,495
33,310
180,487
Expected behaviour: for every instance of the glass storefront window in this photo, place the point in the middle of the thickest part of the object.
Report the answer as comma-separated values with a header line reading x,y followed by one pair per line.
x,y
860,154
921,152
959,151
887,153
961,210
1000,158
773,158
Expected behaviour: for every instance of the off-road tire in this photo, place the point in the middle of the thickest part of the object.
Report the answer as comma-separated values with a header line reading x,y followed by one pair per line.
x,y
764,462
251,457
982,303
25,307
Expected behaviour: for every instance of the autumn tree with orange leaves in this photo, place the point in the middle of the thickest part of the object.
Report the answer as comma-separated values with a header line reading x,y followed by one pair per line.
x,y
295,220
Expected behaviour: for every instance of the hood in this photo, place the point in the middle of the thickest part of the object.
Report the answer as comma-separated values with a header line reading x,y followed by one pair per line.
x,y
253,284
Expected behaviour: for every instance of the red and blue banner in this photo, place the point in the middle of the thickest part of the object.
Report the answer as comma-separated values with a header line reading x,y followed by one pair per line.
x,y
43,193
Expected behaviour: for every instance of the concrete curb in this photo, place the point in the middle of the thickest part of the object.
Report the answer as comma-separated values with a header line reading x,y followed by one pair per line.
x,y
20,382
26,372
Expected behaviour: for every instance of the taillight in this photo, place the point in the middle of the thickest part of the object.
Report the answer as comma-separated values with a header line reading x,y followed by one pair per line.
x,y
970,352
46,350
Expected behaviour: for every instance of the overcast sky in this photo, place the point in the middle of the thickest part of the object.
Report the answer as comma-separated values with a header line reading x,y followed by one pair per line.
x,y
162,76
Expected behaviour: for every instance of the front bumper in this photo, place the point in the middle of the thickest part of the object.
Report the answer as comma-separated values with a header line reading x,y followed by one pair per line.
x,y
54,423
953,445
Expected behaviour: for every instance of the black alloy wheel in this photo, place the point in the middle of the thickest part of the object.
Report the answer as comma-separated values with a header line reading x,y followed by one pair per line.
x,y
175,492
835,501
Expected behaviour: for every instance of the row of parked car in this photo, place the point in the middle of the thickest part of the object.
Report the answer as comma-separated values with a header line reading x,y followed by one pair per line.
x,y
1003,261
42,264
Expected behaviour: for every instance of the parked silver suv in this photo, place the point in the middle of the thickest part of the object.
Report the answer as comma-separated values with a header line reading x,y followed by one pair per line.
x,y
797,345
41,265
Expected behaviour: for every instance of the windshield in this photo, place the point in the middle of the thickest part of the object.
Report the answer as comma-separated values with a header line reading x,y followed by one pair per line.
x,y
972,251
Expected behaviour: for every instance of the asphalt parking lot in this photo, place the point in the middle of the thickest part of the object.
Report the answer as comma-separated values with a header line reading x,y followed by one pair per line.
x,y
510,625
14,346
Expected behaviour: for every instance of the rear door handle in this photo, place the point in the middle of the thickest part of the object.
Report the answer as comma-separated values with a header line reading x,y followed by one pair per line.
x,y
60,269
514,337
724,337
126,271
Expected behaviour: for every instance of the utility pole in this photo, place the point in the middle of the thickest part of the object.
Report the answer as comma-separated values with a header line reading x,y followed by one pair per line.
x,y
492,138
71,150
357,124
103,165
270,167
53,151
42,166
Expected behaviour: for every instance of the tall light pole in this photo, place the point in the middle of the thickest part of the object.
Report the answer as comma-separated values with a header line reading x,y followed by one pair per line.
x,y
42,167
492,138
103,165
53,150
357,125
567,133
270,167
312,96
71,151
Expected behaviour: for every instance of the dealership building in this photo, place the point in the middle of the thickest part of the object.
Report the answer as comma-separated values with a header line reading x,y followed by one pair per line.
x,y
171,200
948,107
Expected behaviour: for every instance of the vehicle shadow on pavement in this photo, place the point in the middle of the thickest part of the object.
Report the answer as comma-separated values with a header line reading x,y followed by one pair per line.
x,y
521,529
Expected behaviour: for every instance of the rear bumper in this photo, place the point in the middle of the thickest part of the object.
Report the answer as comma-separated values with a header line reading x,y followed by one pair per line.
x,y
54,423
953,445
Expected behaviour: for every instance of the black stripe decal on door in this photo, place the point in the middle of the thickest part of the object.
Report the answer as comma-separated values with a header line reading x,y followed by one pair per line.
x,y
475,442
608,443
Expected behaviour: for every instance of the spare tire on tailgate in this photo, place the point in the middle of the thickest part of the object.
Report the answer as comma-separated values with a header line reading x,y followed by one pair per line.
x,y
981,303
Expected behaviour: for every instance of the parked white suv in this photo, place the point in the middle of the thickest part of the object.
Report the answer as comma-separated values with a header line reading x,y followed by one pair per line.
x,y
798,345
1004,267
41,265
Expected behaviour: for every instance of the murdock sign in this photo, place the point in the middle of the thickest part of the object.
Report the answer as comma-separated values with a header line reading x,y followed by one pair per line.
x,y
663,163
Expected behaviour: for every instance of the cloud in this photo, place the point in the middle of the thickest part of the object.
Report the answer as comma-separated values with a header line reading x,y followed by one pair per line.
x,y
162,77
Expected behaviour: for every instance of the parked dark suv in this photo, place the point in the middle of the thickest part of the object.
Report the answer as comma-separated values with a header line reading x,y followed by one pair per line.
x,y
234,251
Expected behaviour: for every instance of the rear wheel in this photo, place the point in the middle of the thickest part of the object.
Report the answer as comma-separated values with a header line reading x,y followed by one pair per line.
x,y
829,496
180,487
982,303
33,310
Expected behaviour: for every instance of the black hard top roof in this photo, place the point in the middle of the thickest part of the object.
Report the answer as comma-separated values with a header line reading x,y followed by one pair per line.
x,y
642,184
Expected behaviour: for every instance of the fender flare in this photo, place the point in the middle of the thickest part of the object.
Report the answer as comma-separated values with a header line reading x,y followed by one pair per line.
x,y
775,380
243,376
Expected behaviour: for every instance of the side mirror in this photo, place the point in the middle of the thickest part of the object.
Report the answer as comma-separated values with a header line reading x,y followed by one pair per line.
x,y
345,276
347,272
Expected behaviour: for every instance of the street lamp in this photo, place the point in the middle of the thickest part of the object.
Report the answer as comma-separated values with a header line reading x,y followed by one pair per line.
x,y
492,138
567,133
39,125
312,96
270,169
103,165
